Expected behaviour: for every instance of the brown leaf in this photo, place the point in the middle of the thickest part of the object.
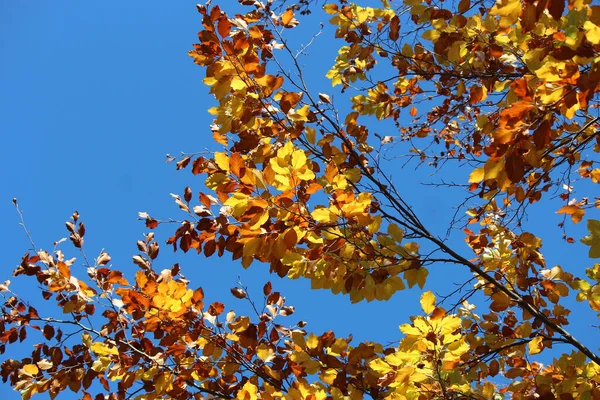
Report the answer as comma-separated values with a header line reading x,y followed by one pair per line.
x,y
324,98
395,28
290,238
476,94
515,169
216,308
141,262
198,166
289,101
238,292
103,259
183,163
542,135
529,17
500,302
556,8
267,288
48,332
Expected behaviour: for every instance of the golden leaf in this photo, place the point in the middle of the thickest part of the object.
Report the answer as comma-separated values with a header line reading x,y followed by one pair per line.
x,y
536,346
103,349
428,302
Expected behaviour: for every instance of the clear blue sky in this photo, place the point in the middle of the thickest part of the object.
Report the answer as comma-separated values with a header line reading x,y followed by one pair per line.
x,y
94,94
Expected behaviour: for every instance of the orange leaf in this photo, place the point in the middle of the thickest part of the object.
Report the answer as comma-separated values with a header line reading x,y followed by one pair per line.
x,y
64,269
574,211
236,164
476,94
287,19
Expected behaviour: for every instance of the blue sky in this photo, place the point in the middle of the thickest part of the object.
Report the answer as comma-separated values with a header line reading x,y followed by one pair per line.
x,y
95,94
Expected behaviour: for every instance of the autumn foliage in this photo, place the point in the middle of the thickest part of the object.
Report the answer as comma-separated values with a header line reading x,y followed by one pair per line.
x,y
507,91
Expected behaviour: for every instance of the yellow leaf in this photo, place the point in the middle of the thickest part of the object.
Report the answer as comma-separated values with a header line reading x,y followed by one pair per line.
x,y
163,383
263,352
417,276
427,302
311,135
395,359
222,161
298,338
86,339
101,364
30,369
248,392
595,175
330,8
239,204
102,349
362,15
299,115
431,35
380,367
298,159
312,341
477,175
458,348
536,345
508,10
492,168
323,215
593,239
395,232
237,83
592,32
252,246
256,223
240,325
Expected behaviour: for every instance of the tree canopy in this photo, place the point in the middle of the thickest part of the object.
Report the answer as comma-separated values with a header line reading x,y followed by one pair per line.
x,y
306,185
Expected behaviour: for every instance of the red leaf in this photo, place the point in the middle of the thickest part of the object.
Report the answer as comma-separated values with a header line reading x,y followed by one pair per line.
x,y
267,288
151,223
